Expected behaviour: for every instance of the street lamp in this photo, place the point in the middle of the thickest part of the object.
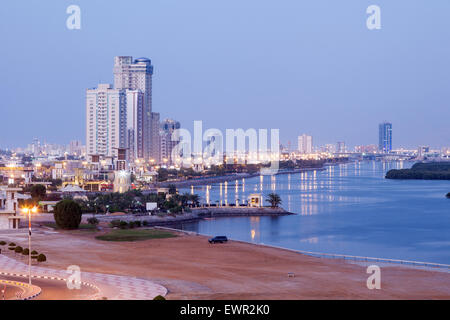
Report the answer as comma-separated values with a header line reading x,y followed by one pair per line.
x,y
29,211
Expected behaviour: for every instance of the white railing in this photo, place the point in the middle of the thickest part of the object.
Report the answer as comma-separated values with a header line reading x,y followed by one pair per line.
x,y
368,259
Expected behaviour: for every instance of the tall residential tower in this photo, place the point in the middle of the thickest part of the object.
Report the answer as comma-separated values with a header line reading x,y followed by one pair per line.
x,y
385,137
105,120
137,75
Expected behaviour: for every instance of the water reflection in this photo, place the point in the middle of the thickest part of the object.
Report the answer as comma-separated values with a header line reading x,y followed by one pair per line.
x,y
348,209
301,192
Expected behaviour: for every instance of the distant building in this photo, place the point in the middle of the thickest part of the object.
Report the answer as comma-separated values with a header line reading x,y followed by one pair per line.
x,y
75,148
422,151
305,144
328,148
168,127
340,147
385,137
105,120
371,148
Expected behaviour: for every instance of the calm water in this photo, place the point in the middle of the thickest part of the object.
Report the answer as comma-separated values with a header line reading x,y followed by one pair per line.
x,y
347,209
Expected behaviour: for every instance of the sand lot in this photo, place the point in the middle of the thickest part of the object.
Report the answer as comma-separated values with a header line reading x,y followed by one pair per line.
x,y
190,268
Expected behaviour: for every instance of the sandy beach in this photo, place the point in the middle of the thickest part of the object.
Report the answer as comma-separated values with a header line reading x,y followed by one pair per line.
x,y
190,268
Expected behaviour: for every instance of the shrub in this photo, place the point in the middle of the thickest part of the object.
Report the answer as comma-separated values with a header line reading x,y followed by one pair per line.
x,y
18,249
131,224
159,297
123,224
138,223
2,243
114,223
176,209
93,221
12,244
67,214
34,252
145,223
38,192
26,252
41,258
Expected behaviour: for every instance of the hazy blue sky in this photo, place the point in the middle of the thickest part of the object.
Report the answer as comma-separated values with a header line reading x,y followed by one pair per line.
x,y
308,66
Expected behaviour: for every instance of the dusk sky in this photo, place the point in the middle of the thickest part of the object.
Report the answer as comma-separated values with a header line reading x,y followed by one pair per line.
x,y
301,66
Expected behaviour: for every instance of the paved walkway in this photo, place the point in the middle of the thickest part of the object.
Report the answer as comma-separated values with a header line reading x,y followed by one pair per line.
x,y
110,286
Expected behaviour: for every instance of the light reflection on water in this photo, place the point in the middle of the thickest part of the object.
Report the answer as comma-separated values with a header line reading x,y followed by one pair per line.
x,y
348,209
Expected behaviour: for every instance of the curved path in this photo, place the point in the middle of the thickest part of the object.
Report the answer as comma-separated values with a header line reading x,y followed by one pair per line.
x,y
14,289
94,285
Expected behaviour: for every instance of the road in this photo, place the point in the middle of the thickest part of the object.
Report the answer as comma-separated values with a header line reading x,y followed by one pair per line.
x,y
51,289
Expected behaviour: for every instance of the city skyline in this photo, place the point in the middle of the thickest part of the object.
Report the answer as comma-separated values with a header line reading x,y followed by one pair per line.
x,y
225,80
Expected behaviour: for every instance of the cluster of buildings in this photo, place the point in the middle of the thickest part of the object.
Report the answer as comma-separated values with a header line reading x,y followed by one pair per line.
x,y
126,141
121,116
305,143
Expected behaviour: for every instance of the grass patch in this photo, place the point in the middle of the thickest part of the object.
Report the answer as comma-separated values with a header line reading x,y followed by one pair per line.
x,y
83,226
135,235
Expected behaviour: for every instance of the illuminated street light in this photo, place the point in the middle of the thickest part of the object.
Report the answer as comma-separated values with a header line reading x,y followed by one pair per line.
x,y
29,211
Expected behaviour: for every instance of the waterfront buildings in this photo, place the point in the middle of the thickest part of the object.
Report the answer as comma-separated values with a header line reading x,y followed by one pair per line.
x,y
305,144
340,147
371,148
385,137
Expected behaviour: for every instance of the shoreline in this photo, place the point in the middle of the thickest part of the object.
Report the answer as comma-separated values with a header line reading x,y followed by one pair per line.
x,y
196,215
226,178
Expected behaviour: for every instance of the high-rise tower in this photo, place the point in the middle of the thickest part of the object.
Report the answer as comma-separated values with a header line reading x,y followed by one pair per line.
x,y
105,120
137,75
385,137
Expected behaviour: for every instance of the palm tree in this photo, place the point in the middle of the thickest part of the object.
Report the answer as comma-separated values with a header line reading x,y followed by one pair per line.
x,y
195,199
274,200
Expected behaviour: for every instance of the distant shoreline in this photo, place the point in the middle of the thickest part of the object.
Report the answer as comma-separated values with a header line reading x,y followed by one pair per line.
x,y
226,178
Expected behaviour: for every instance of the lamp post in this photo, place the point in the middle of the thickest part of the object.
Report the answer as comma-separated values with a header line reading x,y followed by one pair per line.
x,y
29,211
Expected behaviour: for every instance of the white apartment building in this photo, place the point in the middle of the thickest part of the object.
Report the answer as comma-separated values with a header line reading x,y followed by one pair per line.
x,y
305,144
137,75
105,120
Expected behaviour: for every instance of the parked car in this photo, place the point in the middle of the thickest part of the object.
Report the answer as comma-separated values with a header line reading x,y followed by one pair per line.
x,y
218,239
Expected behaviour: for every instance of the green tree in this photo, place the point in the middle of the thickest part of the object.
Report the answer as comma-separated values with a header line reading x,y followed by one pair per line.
x,y
38,192
93,221
67,214
163,174
274,200
172,189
